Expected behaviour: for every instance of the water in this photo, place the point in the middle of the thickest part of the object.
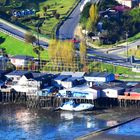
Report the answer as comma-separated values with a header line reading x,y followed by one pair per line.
x,y
131,128
19,123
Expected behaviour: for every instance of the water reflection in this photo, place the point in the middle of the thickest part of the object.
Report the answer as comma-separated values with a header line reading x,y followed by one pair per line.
x,y
131,128
20,123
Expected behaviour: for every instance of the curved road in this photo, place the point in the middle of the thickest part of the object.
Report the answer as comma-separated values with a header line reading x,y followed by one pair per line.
x,y
66,30
18,34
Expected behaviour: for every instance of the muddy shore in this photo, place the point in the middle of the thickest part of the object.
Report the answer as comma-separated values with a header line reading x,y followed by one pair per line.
x,y
114,117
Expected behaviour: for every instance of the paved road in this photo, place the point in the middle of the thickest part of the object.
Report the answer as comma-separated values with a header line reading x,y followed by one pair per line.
x,y
17,33
66,31
124,49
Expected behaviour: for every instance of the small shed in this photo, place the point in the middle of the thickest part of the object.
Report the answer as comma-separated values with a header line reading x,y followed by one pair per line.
x,y
112,92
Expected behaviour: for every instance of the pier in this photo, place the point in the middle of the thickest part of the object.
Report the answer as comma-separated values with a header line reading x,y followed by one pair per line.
x,y
33,101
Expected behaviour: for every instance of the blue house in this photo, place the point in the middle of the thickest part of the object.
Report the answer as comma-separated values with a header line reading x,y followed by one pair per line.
x,y
99,77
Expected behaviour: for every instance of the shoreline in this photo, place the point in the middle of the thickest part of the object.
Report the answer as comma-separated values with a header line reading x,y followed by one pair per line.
x,y
114,117
119,115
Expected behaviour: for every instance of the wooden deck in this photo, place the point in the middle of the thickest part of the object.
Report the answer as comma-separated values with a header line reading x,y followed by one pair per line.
x,y
124,97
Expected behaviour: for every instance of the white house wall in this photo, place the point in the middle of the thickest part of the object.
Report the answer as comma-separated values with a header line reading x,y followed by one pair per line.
x,y
23,81
26,89
95,79
18,62
66,84
110,93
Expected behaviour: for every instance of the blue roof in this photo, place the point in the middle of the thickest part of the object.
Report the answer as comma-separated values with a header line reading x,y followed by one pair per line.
x,y
18,73
23,57
72,79
62,77
97,74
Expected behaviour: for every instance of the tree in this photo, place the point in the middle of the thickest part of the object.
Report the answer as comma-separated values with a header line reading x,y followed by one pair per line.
x,y
89,25
93,12
38,50
54,12
57,15
3,52
2,39
82,52
45,8
29,38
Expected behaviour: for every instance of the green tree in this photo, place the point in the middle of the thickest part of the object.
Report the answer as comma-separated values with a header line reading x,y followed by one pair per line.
x,y
82,52
93,12
89,25
29,38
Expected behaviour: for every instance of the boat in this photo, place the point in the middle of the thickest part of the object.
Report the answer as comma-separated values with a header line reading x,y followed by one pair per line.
x,y
72,106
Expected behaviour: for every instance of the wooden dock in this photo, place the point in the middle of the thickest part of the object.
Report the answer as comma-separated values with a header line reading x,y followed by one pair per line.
x,y
127,101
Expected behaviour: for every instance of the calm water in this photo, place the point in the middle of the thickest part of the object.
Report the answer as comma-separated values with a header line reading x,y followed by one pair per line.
x,y
131,128
19,123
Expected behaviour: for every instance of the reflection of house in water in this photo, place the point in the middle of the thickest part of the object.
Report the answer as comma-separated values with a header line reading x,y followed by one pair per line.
x,y
24,119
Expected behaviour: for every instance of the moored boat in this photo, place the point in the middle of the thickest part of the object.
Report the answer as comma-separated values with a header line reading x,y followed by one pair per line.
x,y
72,106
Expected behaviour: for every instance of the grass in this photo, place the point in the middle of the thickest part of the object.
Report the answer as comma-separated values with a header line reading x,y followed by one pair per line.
x,y
61,6
98,66
134,38
121,42
17,47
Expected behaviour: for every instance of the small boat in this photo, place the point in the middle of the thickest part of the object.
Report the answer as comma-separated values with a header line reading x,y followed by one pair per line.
x,y
72,106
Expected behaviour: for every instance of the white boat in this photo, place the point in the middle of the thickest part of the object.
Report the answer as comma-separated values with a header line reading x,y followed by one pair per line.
x,y
72,106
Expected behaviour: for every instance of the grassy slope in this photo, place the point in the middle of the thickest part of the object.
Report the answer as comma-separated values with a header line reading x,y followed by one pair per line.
x,y
50,23
16,47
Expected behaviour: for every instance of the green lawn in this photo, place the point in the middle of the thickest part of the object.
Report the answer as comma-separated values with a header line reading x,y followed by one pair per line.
x,y
17,47
48,21
98,66
62,7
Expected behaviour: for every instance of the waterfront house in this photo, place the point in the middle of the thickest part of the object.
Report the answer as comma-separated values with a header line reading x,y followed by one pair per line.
x,y
74,74
32,82
112,92
98,77
72,82
48,91
81,92
59,79
22,61
16,75
69,79
134,91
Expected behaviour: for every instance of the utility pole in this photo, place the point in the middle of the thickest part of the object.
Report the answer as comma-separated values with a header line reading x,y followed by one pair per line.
x,y
126,38
38,31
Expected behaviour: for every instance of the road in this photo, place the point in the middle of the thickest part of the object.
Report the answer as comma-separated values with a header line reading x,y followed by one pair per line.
x,y
124,49
66,30
18,34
